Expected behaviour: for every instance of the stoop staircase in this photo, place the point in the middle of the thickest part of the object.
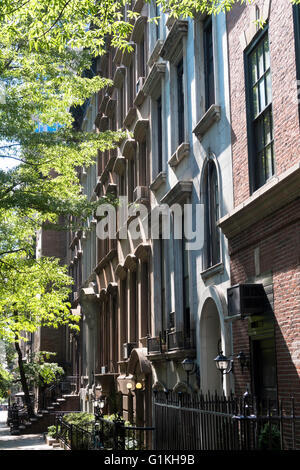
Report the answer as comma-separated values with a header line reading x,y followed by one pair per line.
x,y
58,398
46,417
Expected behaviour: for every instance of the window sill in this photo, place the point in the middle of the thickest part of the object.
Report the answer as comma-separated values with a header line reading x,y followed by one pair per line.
x,y
212,115
182,152
158,181
212,271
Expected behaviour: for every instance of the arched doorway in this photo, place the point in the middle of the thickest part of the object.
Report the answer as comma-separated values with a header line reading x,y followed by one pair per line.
x,y
210,335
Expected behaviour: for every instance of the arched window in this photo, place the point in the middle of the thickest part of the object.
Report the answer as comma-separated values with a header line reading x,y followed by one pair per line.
x,y
211,201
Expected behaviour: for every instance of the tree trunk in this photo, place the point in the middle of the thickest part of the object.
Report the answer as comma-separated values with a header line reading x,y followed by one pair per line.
x,y
24,383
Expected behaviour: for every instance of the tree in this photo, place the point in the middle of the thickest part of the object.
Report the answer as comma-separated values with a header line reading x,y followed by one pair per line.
x,y
48,68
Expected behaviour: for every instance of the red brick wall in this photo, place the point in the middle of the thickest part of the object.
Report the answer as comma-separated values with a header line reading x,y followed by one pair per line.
x,y
277,236
284,91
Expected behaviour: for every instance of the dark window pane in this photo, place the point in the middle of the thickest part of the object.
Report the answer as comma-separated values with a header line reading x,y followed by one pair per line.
x,y
180,96
159,135
209,65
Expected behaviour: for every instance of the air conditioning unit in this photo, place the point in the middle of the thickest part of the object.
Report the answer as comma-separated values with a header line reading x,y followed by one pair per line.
x,y
246,299
139,84
141,193
104,369
127,348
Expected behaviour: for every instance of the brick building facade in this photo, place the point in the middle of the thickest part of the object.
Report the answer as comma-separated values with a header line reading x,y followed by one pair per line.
x,y
263,228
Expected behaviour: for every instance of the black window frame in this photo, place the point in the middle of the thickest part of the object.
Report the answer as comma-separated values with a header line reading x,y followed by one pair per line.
x,y
209,73
296,16
159,135
257,179
212,213
180,102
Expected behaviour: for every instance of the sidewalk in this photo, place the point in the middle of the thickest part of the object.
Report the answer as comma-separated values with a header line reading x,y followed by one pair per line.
x,y
22,442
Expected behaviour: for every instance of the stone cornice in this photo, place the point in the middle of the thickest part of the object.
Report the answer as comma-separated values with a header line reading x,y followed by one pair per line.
x,y
143,251
277,193
110,255
129,148
138,29
155,53
138,6
158,181
154,77
104,102
178,193
121,272
212,115
119,76
139,99
169,49
140,129
131,262
117,57
120,165
182,151
130,117
128,55
110,108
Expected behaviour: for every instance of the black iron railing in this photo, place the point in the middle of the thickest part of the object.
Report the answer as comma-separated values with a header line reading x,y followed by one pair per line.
x,y
154,345
103,434
198,422
180,340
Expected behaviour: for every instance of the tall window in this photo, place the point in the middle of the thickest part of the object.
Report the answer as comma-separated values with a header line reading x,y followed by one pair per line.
x,y
212,235
159,135
143,173
185,284
296,9
162,282
131,85
180,101
209,64
260,120
157,26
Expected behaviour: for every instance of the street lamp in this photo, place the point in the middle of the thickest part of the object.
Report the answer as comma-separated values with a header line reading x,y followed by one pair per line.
x,y
190,368
223,364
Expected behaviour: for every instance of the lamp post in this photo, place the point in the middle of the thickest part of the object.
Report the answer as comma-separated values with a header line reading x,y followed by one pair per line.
x,y
190,368
223,364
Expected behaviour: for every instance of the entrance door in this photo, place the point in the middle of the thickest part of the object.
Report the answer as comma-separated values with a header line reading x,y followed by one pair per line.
x,y
264,369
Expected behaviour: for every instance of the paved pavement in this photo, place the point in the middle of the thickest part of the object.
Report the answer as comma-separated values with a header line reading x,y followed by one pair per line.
x,y
22,442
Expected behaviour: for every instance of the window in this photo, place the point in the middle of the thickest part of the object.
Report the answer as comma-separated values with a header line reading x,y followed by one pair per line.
x,y
162,282
296,9
212,235
131,179
131,85
121,106
260,120
143,173
159,135
145,285
180,101
185,284
157,26
208,64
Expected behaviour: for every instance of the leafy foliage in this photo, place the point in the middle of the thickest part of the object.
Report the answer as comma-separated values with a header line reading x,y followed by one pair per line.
x,y
39,372
5,381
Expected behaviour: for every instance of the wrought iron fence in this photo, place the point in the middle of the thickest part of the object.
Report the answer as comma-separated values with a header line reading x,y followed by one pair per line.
x,y
198,422
103,434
